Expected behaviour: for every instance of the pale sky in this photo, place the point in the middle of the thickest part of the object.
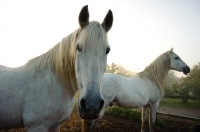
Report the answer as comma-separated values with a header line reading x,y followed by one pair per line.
x,y
142,30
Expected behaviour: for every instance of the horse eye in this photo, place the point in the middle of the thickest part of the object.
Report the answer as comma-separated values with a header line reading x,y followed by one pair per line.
x,y
107,50
176,58
78,48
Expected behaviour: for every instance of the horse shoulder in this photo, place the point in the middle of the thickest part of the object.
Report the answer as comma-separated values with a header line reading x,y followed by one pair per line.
x,y
136,89
148,88
110,87
50,98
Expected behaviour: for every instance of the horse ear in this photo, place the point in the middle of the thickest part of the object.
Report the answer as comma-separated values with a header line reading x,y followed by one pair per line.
x,y
84,17
108,21
171,50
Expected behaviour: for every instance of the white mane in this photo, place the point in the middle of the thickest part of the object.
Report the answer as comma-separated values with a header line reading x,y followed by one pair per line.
x,y
60,59
157,71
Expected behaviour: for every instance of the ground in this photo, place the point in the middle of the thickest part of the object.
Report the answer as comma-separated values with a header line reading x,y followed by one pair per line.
x,y
114,123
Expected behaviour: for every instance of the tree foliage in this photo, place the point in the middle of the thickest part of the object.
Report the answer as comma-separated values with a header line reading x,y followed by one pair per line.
x,y
171,79
189,85
120,70
193,80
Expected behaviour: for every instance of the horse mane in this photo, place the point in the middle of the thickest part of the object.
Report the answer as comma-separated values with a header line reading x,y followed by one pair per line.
x,y
61,58
157,71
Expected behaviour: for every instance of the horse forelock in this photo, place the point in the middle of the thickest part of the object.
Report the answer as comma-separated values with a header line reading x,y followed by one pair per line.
x,y
93,35
60,60
157,71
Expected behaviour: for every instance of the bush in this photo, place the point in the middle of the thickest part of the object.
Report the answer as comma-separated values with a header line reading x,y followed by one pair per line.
x,y
160,123
125,112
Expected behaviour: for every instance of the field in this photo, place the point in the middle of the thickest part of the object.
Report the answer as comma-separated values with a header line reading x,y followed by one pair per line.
x,y
177,103
119,123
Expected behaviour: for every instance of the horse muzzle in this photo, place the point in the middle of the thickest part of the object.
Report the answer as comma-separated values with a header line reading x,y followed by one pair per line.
x,y
90,109
186,70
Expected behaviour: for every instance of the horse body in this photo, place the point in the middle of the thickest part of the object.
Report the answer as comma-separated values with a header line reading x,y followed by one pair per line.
x,y
40,95
129,92
33,96
144,90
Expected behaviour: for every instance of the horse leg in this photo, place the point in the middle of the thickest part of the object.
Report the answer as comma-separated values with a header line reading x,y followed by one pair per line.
x,y
89,125
144,117
152,117
85,125
94,123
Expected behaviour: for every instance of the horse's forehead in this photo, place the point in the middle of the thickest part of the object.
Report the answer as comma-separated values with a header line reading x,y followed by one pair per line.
x,y
93,36
173,54
95,23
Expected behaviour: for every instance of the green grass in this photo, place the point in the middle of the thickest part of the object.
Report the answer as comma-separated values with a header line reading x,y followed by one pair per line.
x,y
177,103
125,112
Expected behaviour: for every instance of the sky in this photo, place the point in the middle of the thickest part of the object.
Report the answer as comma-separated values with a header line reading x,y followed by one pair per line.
x,y
141,31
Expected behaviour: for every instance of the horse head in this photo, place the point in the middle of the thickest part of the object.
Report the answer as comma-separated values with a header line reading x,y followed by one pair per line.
x,y
177,64
91,59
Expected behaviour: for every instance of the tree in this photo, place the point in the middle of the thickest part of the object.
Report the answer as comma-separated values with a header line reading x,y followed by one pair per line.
x,y
194,80
189,85
175,89
111,69
180,88
124,72
171,79
120,70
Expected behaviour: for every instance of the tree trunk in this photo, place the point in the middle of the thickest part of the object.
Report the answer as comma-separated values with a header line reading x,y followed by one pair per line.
x,y
185,99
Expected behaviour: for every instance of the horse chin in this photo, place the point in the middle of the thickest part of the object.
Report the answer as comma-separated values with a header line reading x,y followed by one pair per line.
x,y
185,73
89,117
86,115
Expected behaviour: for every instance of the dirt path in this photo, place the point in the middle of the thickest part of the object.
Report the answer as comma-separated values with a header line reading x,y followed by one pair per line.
x,y
182,112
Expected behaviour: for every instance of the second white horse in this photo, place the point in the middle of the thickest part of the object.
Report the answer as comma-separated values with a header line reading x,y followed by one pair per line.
x,y
144,90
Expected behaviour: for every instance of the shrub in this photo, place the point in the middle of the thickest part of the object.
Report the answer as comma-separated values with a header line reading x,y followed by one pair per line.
x,y
160,123
125,112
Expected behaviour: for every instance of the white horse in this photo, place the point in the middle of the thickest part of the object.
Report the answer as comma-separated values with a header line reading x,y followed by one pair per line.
x,y
40,95
144,90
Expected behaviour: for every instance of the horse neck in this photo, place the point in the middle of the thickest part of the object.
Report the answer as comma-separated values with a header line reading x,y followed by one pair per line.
x,y
157,71
60,60
65,61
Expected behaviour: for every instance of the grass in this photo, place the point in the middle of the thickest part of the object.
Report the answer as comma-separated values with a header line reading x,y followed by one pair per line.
x,y
177,103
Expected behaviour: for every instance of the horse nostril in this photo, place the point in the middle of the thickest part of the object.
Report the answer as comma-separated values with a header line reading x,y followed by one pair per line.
x,y
101,105
83,104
